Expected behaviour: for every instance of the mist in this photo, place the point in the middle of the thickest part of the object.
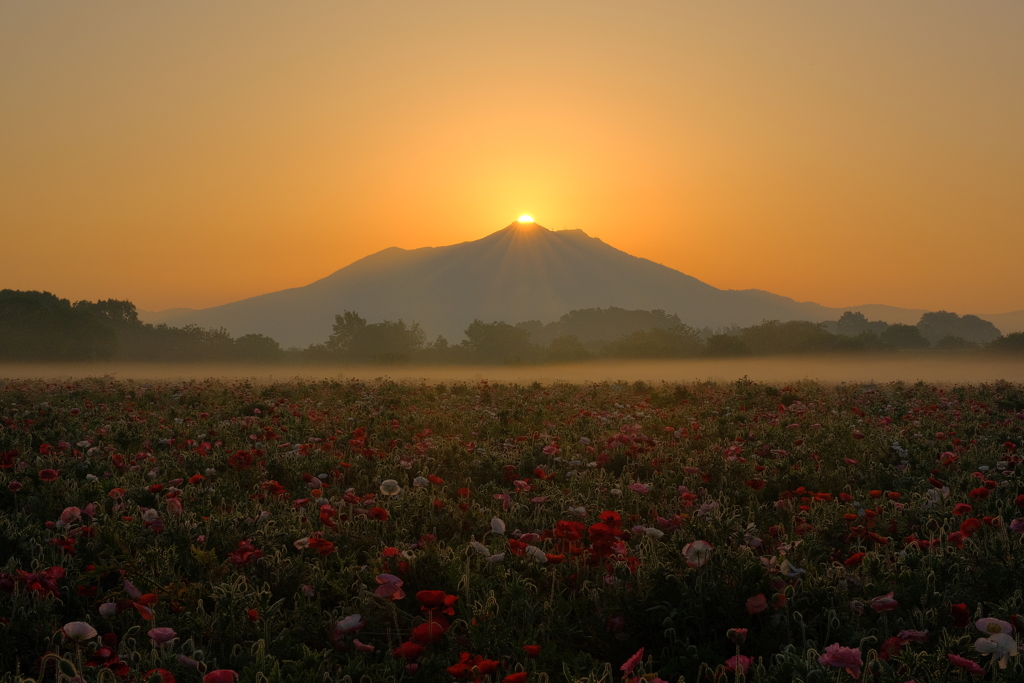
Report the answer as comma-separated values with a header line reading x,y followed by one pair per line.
x,y
828,369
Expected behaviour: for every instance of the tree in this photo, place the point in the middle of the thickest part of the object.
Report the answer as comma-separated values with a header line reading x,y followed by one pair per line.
x,y
498,342
938,324
900,336
346,327
258,348
855,323
723,345
1010,344
384,342
566,349
795,336
674,342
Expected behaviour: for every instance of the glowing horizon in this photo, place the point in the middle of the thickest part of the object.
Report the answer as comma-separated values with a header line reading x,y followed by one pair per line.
x,y
192,154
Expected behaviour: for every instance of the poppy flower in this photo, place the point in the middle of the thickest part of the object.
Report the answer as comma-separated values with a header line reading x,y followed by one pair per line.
x,y
352,622
970,526
390,487
220,676
884,603
408,650
518,677
162,635
159,676
846,658
697,553
854,560
965,664
1001,646
378,513
78,631
48,475
989,625
739,663
437,602
532,651
390,586
961,615
630,664
469,666
428,632
757,604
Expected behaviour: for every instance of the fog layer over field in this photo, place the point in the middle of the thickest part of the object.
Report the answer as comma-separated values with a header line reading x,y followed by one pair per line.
x,y
781,369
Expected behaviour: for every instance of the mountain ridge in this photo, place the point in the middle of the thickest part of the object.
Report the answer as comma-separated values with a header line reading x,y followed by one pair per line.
x,y
516,274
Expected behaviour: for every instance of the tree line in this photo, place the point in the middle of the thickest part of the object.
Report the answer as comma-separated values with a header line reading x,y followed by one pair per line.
x,y
39,326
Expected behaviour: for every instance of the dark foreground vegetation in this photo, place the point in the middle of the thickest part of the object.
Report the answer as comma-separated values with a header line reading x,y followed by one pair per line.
x,y
38,326
207,531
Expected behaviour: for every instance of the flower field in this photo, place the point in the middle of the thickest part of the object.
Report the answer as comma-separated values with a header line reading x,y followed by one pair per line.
x,y
313,530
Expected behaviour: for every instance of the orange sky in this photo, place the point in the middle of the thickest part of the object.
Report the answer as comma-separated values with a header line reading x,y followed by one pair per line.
x,y
195,153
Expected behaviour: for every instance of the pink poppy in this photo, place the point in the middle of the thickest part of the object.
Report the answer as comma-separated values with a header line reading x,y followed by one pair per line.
x,y
757,604
967,665
632,661
989,626
390,587
639,488
161,635
78,631
846,658
697,553
362,647
741,662
884,603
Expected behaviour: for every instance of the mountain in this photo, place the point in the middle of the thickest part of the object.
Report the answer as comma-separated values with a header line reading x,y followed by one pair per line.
x,y
523,272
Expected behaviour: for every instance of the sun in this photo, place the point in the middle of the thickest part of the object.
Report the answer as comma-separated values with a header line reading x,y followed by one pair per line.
x,y
525,218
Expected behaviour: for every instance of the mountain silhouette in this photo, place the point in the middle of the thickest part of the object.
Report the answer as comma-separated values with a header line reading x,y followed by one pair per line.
x,y
520,273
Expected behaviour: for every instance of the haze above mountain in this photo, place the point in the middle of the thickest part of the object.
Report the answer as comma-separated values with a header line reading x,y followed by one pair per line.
x,y
523,272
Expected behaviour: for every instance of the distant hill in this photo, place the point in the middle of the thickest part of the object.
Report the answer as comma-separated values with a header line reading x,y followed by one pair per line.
x,y
520,273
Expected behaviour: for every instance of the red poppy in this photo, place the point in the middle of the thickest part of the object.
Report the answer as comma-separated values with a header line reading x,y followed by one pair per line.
x,y
437,602
473,667
532,651
220,676
854,560
408,650
970,526
518,677
48,475
961,615
322,546
245,554
429,632
379,514
326,516
159,676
